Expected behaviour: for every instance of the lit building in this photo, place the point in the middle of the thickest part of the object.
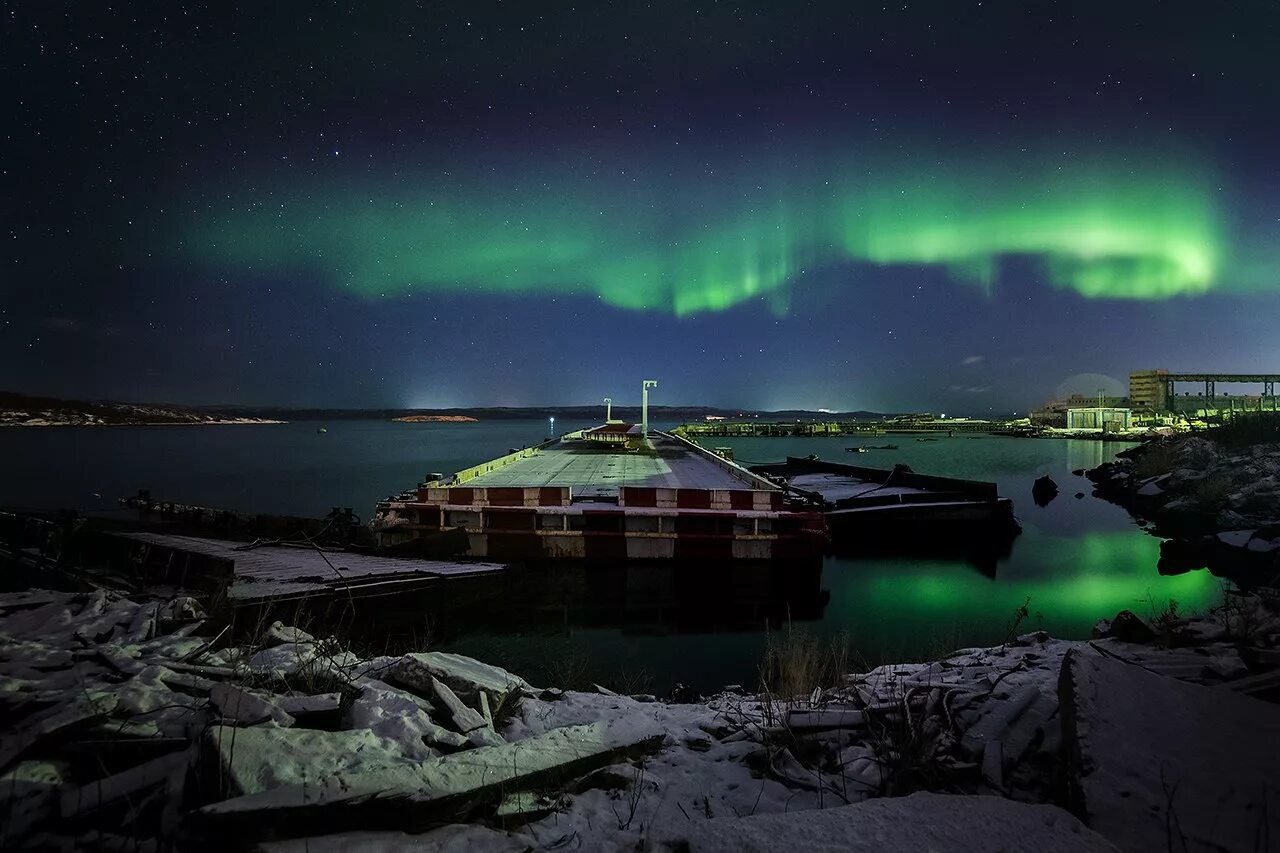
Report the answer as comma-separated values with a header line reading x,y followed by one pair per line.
x,y
1104,418
1148,390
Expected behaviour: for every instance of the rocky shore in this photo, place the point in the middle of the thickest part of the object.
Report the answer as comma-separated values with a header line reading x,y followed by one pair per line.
x,y
132,724
1218,503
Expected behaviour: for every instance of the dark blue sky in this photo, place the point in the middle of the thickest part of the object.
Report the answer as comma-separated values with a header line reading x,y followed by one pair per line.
x,y
961,207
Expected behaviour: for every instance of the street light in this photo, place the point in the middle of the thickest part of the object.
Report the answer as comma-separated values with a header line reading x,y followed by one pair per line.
x,y
553,426
644,405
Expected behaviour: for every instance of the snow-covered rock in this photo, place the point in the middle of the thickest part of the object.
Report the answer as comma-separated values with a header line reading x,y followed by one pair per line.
x,y
238,705
283,660
1160,764
920,822
403,718
465,676
262,758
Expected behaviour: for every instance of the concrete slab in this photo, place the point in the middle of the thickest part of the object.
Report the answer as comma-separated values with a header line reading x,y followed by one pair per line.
x,y
1159,764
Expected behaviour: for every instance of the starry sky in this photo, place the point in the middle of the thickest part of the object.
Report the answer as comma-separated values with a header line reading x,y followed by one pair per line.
x,y
966,207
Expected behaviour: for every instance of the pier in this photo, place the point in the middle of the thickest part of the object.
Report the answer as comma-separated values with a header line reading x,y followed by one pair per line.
x,y
589,495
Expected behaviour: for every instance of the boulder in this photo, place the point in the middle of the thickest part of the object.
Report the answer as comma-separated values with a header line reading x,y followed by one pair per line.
x,y
465,676
1043,490
1127,627
1154,763
237,705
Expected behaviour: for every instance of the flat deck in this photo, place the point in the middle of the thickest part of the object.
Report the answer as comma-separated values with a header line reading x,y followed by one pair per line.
x,y
589,468
279,571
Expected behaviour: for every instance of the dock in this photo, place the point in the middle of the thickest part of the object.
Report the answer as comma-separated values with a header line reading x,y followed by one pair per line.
x,y
612,492
240,573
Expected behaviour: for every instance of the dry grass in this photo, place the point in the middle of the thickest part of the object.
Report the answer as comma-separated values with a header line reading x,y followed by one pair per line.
x,y
796,664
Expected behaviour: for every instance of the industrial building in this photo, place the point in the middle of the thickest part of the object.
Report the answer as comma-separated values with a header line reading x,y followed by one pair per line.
x,y
1156,391
1103,418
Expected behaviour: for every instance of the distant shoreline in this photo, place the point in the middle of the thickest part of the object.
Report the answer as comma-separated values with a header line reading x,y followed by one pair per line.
x,y
216,422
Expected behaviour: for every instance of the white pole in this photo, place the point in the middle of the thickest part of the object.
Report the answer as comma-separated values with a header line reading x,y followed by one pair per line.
x,y
644,404
608,409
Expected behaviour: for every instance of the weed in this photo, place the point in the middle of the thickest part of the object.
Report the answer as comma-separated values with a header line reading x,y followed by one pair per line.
x,y
798,665
1020,614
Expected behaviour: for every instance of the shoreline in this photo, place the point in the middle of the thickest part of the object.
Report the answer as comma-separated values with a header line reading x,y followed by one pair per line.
x,y
309,741
216,422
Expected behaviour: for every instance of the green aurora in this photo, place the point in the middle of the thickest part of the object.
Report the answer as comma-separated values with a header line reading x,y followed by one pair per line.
x,y
692,238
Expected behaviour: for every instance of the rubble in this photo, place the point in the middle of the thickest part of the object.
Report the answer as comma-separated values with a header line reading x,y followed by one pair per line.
x,y
193,737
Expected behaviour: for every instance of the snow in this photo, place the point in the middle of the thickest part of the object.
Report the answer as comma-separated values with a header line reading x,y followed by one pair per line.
x,y
436,787
262,758
401,717
597,770
1155,756
920,822
238,705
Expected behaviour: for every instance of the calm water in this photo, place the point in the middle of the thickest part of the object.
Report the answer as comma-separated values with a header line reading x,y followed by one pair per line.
x,y
1077,560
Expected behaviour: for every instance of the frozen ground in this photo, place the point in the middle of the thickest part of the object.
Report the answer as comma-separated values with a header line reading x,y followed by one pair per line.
x,y
132,724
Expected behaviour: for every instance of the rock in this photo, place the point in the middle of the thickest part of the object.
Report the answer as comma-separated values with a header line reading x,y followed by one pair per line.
x,y
238,705
253,760
1127,627
465,720
447,839
28,794
442,789
464,675
1043,490
958,824
283,660
307,706
1079,495
183,607
402,718
280,633
1156,764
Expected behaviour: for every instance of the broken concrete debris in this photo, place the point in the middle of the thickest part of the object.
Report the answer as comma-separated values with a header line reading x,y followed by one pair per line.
x,y
294,736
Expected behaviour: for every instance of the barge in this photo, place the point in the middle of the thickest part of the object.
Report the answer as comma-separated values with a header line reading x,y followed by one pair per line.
x,y
616,491
877,505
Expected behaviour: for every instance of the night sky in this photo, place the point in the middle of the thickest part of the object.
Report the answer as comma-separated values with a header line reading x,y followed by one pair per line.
x,y
958,206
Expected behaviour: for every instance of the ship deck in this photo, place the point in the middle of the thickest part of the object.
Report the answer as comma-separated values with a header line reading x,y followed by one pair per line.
x,y
591,468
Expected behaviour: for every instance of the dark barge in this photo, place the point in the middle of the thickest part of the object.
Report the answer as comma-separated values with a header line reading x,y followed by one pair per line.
x,y
888,506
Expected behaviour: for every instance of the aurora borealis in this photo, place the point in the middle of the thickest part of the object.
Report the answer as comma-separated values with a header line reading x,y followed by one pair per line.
x,y
688,245
917,207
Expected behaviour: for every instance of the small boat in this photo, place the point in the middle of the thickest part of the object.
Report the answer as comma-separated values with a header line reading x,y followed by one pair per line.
x,y
881,447
856,449
322,429
926,439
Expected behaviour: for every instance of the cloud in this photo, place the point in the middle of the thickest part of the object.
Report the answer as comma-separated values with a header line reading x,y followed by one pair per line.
x,y
974,359
969,389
